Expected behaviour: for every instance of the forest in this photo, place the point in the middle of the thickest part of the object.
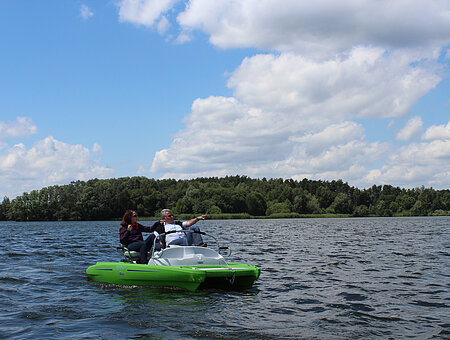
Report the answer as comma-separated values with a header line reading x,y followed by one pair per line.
x,y
227,197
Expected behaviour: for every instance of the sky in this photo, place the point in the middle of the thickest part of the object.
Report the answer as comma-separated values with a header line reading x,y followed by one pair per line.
x,y
324,90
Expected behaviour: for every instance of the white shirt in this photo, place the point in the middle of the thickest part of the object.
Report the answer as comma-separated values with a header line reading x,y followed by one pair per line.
x,y
174,236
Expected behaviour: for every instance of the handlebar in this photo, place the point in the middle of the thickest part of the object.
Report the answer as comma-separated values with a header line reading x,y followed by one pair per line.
x,y
184,231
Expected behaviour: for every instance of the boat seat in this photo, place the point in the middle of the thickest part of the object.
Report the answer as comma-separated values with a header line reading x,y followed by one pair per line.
x,y
131,254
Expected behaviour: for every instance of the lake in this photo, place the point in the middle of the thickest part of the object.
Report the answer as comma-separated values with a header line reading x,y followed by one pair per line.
x,y
321,279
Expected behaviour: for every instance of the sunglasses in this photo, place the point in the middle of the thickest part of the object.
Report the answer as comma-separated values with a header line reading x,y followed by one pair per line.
x,y
171,215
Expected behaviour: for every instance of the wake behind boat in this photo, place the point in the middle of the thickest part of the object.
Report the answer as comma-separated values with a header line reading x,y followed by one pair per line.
x,y
187,267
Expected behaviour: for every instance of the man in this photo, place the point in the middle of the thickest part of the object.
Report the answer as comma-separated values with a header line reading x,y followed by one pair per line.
x,y
180,238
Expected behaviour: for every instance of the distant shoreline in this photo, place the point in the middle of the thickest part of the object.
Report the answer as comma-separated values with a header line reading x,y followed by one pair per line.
x,y
278,216
235,197
183,217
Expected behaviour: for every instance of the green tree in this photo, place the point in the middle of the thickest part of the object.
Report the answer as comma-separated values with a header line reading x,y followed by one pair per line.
x,y
275,207
324,196
184,206
383,208
301,202
405,201
109,198
313,205
18,210
4,208
418,209
86,203
341,204
214,210
238,199
361,211
256,205
201,206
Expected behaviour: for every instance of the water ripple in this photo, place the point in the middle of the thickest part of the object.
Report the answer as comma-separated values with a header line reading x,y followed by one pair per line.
x,y
324,279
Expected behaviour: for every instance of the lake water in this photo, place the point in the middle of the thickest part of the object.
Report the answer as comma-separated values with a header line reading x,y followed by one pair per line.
x,y
321,279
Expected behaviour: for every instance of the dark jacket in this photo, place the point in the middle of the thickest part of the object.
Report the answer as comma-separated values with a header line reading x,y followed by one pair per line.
x,y
133,235
159,227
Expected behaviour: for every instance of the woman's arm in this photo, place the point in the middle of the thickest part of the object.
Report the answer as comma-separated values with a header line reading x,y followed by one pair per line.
x,y
124,233
158,227
146,229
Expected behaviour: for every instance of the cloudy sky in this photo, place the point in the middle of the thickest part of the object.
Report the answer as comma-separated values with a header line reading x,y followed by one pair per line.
x,y
325,89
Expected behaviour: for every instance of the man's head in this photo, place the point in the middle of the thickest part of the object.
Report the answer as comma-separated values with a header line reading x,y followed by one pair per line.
x,y
167,215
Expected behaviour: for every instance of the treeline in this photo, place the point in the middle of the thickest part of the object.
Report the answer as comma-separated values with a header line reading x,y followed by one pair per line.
x,y
100,199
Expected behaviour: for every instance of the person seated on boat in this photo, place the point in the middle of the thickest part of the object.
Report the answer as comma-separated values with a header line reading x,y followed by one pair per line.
x,y
168,223
131,235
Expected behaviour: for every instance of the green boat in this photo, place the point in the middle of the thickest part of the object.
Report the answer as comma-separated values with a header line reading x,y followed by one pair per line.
x,y
187,267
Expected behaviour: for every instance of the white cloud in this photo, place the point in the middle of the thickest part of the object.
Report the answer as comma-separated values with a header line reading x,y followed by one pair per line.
x,y
437,132
22,126
333,135
85,12
320,28
291,116
333,160
293,110
146,12
390,124
183,37
447,54
414,164
162,25
221,132
411,130
47,162
368,82
97,148
224,136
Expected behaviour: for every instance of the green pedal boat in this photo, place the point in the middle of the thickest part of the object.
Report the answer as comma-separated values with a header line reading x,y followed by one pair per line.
x,y
187,267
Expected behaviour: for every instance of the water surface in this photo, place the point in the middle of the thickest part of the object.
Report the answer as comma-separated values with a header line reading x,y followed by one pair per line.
x,y
321,278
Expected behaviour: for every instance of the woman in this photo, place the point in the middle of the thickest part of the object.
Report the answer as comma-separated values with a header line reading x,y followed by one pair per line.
x,y
131,235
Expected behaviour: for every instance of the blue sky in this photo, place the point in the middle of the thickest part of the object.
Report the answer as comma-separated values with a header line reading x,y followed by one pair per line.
x,y
176,89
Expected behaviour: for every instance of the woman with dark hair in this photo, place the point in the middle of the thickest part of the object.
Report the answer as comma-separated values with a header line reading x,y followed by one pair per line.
x,y
131,235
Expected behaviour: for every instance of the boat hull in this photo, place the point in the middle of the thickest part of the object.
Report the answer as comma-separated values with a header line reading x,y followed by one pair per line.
x,y
234,276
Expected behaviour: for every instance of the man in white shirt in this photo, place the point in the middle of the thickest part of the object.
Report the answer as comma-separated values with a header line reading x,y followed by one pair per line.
x,y
168,223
